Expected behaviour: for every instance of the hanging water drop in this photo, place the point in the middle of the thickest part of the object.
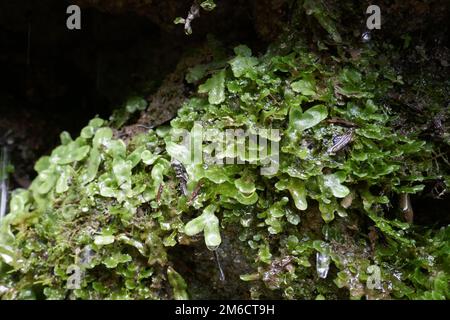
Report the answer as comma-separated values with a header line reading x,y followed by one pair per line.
x,y
322,264
211,231
212,238
219,266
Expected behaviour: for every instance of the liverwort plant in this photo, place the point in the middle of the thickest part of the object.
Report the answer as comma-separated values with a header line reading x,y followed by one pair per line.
x,y
209,224
321,222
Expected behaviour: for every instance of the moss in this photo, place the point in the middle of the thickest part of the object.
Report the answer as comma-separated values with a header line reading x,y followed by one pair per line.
x,y
317,227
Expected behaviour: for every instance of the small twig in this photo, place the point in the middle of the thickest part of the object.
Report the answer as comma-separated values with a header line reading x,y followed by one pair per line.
x,y
274,100
194,12
181,174
342,122
440,155
160,190
195,192
142,126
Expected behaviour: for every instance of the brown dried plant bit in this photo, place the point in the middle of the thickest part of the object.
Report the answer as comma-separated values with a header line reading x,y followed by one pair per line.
x,y
219,266
406,207
341,141
195,192
342,122
277,266
181,174
194,12
348,200
160,190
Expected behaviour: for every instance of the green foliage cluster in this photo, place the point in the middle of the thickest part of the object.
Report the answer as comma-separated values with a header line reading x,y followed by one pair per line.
x,y
296,91
114,209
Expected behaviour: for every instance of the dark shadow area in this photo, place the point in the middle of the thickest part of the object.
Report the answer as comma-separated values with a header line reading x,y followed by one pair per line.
x,y
55,79
200,268
431,211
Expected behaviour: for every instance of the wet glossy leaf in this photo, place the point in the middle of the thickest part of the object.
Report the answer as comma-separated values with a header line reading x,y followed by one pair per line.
x,y
148,158
245,184
333,182
62,184
103,240
115,259
136,104
311,117
92,167
297,190
305,87
215,88
243,65
102,135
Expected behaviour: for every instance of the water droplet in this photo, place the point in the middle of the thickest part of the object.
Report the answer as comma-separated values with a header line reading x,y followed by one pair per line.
x,y
219,266
322,264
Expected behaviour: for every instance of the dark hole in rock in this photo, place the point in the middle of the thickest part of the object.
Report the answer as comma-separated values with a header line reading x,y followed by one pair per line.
x,y
197,264
431,211
55,79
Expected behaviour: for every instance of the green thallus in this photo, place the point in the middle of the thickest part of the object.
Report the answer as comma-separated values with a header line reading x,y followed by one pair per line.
x,y
209,224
